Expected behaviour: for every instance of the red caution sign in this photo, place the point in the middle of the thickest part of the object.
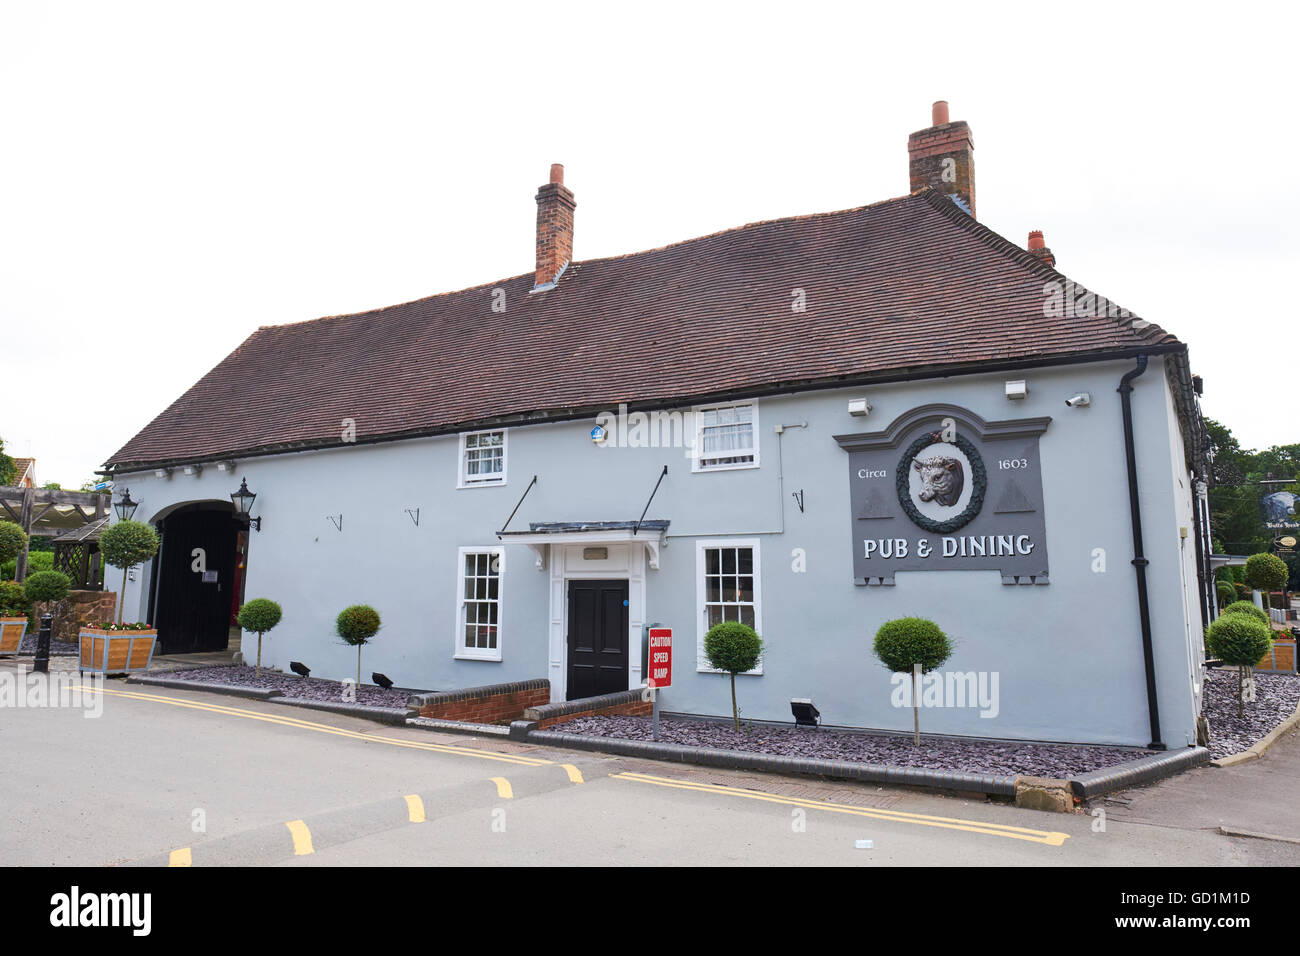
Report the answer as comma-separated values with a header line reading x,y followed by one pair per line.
x,y
661,657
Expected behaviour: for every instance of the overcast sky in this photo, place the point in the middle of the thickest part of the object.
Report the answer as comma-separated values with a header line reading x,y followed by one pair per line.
x,y
174,175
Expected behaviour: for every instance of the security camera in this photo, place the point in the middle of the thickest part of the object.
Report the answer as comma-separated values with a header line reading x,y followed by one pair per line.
x,y
1080,400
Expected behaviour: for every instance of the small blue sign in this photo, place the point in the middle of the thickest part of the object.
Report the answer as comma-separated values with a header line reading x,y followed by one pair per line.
x,y
598,434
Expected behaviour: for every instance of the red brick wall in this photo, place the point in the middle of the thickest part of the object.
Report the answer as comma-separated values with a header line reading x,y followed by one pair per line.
x,y
639,708
489,709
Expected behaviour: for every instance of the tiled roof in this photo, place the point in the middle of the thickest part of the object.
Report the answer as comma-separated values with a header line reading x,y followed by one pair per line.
x,y
902,288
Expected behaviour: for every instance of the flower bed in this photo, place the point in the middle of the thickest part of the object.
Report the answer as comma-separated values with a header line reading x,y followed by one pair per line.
x,y
941,753
1276,698
291,685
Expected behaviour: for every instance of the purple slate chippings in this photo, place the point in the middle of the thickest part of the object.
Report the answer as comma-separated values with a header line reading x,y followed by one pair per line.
x,y
1276,699
291,685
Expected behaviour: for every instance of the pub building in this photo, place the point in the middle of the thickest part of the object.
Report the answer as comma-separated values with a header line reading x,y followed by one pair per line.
x,y
811,425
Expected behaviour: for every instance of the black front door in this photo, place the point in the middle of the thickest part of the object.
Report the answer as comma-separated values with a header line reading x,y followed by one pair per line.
x,y
597,638
194,592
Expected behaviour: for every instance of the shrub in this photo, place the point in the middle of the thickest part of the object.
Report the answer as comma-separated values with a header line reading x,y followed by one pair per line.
x,y
1227,593
259,615
906,642
1242,640
13,599
128,543
36,561
124,545
12,540
735,648
357,625
47,586
1248,608
1266,572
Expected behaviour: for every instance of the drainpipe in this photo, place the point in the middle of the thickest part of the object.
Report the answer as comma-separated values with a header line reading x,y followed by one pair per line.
x,y
1139,559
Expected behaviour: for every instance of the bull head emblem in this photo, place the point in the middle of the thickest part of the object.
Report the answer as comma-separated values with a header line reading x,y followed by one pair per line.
x,y
942,479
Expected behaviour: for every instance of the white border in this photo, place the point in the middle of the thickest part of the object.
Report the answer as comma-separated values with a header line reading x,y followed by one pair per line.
x,y
698,450
701,609
462,480
462,652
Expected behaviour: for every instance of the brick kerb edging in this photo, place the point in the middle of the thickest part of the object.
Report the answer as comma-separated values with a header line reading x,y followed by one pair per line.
x,y
385,715
230,690
1142,770
1259,746
993,785
418,701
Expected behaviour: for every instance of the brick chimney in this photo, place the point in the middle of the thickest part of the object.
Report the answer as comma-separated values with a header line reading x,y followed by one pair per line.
x,y
943,156
1039,248
555,205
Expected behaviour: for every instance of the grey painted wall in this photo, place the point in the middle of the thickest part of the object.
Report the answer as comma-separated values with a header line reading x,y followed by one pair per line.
x,y
1068,655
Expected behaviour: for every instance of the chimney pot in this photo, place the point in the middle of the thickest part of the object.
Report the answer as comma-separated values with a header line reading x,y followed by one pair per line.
x,y
557,173
939,113
1038,247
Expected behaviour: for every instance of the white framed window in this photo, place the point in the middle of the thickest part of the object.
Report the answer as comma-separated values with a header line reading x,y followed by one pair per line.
x,y
482,458
726,437
727,588
478,603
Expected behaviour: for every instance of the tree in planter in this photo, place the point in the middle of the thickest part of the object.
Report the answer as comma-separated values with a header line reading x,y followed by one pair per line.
x,y
259,615
1241,640
13,600
124,545
12,541
1247,608
906,642
1267,573
357,625
735,648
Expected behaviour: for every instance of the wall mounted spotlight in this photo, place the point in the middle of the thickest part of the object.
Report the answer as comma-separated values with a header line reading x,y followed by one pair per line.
x,y
805,712
193,470
225,466
859,408
1017,390
162,472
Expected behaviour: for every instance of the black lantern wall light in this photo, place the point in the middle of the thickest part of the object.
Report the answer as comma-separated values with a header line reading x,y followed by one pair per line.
x,y
125,507
243,500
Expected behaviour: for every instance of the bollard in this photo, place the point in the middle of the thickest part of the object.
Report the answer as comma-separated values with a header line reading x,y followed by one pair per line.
x,y
42,663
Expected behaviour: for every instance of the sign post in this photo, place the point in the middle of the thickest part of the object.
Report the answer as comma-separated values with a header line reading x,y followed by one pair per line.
x,y
659,671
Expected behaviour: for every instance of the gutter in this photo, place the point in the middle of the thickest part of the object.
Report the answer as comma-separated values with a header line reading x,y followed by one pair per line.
x,y
1139,558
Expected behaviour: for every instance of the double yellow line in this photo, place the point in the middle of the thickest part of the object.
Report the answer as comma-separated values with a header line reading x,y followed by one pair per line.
x,y
1050,838
287,721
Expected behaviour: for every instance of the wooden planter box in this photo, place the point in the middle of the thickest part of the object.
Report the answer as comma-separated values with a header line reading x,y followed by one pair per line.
x,y
115,652
12,630
1280,658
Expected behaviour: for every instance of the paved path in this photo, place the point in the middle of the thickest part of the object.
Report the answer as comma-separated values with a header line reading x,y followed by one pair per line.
x,y
179,776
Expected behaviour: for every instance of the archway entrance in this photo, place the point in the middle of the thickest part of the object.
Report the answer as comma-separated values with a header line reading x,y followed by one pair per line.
x,y
196,579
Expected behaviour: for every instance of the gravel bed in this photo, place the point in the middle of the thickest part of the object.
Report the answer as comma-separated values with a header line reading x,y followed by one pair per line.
x,y
62,648
1276,698
291,685
943,753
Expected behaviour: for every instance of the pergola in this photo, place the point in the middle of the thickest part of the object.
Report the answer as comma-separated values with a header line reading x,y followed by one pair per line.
x,y
46,513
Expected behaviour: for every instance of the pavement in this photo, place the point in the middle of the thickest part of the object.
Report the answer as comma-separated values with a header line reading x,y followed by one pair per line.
x,y
189,778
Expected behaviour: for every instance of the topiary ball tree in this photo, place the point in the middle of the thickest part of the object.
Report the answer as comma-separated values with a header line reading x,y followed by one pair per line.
x,y
47,586
259,615
124,545
1239,639
1267,573
12,541
13,599
906,644
357,625
1248,608
735,648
